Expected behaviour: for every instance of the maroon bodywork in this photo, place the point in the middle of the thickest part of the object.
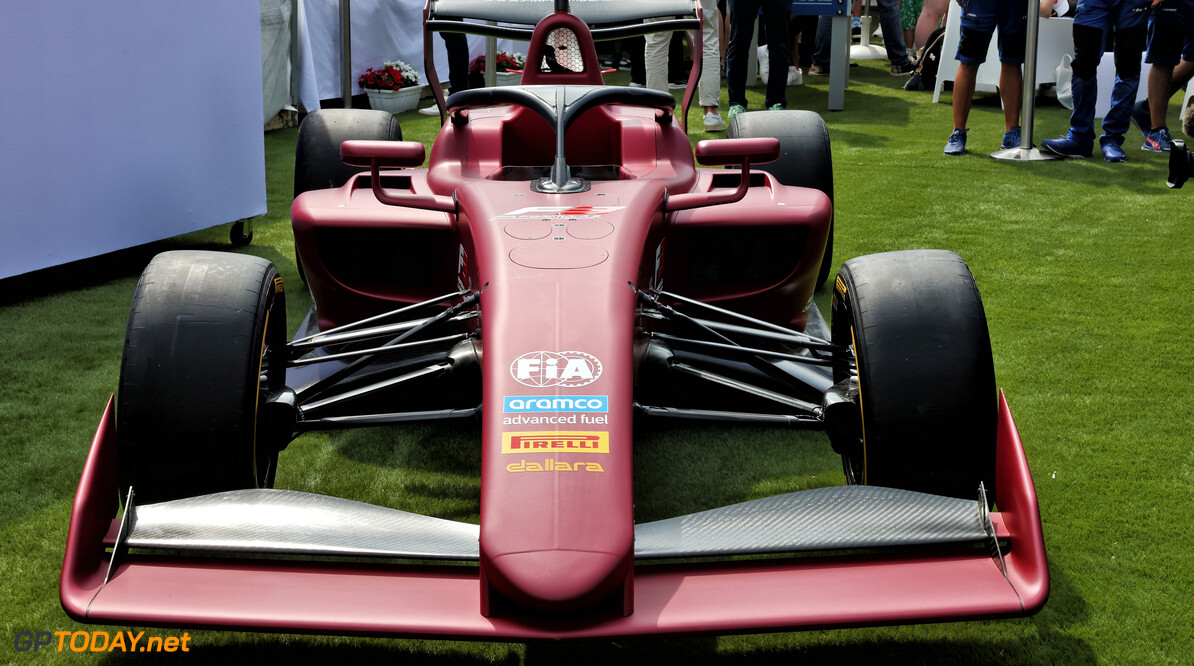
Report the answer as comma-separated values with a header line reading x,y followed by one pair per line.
x,y
559,317
444,602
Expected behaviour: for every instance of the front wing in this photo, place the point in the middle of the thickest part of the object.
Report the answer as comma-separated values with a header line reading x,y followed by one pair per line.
x,y
103,583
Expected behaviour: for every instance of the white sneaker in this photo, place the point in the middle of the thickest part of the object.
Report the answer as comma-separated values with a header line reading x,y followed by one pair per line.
x,y
432,110
636,84
714,123
795,76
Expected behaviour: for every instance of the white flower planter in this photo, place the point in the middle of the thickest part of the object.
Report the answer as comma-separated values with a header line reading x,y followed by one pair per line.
x,y
395,101
508,78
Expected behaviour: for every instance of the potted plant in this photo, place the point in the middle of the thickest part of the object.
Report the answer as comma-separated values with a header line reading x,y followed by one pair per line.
x,y
394,88
509,68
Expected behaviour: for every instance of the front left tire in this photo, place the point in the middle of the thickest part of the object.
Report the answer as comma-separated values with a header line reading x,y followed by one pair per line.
x,y
201,353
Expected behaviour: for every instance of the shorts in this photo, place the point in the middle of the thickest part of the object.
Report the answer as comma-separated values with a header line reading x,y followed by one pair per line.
x,y
909,13
980,18
1171,33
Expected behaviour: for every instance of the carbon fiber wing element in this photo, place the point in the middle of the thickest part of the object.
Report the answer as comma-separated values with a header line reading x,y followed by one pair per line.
x,y
834,518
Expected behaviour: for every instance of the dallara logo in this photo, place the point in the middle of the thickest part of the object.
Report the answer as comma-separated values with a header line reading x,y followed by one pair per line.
x,y
566,369
555,442
550,465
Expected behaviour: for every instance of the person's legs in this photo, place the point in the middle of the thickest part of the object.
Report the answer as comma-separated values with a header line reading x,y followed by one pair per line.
x,y
775,15
742,25
1012,26
676,71
976,30
456,44
636,48
930,17
655,57
909,13
963,95
821,46
709,89
709,92
1011,93
1170,28
1130,35
1089,39
893,37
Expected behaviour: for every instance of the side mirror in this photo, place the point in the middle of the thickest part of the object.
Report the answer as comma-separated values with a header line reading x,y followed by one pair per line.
x,y
724,152
378,155
383,154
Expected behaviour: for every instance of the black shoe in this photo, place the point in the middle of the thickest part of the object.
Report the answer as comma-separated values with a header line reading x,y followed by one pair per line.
x,y
903,70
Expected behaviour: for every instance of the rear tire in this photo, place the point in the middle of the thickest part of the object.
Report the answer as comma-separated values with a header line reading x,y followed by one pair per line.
x,y
317,162
200,352
926,378
804,160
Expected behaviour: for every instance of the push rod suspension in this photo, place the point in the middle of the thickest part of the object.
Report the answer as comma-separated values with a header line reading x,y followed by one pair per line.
x,y
321,387
737,349
377,350
750,389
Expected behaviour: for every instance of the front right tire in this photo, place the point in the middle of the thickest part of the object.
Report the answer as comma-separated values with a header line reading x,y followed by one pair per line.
x,y
926,378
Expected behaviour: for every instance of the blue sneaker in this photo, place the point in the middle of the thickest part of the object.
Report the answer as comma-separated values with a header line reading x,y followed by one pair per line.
x,y
1158,141
1011,138
1068,146
735,109
1113,153
957,142
1142,118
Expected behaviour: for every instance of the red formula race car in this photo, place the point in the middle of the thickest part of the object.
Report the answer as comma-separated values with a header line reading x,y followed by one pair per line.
x,y
560,268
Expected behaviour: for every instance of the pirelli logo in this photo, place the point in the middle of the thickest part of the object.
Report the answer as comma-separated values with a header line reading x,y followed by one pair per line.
x,y
555,442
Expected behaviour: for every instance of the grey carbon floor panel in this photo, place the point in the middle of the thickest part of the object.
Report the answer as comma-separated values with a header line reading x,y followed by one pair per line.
x,y
285,521
840,517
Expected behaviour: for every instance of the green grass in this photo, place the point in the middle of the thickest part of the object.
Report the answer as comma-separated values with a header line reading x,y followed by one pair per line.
x,y
1084,272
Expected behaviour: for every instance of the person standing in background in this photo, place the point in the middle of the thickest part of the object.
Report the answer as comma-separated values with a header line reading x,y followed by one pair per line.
x,y
742,27
1171,54
1094,20
709,86
456,44
909,15
979,22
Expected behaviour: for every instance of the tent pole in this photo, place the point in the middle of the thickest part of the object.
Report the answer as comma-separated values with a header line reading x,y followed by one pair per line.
x,y
345,54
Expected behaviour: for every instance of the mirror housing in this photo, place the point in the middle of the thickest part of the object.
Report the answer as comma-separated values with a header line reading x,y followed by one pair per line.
x,y
383,154
724,152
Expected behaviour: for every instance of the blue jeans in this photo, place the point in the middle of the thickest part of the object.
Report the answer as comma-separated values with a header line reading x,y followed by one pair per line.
x,y
1094,19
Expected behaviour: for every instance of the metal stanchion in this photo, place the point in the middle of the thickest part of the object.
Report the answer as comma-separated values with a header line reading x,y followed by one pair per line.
x,y
345,54
1026,153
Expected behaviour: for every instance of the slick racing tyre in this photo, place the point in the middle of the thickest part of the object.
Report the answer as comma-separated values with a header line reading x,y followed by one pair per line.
x,y
804,157
201,352
926,380
317,163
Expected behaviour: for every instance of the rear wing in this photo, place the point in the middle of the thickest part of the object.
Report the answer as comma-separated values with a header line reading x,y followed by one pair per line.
x,y
605,19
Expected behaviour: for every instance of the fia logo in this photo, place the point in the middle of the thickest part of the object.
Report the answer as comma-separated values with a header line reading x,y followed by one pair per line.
x,y
566,369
